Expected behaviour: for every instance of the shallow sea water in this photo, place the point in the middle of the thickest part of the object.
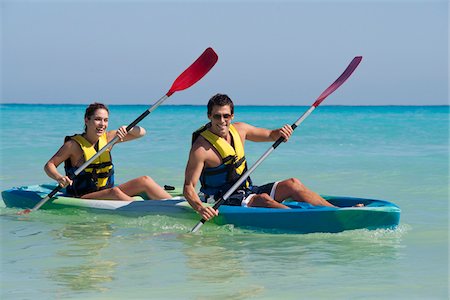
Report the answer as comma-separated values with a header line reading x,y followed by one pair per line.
x,y
399,154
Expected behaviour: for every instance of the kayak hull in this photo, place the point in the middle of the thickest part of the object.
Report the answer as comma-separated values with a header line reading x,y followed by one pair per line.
x,y
301,218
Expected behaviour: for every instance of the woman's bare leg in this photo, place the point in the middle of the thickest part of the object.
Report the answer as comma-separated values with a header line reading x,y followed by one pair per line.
x,y
114,193
144,184
125,191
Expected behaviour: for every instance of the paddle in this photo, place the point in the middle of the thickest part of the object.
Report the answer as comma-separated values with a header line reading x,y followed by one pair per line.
x,y
334,86
189,77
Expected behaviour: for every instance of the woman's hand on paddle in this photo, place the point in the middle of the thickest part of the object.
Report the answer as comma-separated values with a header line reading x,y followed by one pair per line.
x,y
285,132
208,212
64,181
121,132
133,133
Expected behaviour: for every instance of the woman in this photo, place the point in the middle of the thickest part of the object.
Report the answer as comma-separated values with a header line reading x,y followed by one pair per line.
x,y
96,181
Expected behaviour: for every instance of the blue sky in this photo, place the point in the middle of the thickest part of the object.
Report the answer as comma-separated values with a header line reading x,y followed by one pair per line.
x,y
270,52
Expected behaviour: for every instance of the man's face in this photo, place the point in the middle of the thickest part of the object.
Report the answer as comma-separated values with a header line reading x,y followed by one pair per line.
x,y
220,118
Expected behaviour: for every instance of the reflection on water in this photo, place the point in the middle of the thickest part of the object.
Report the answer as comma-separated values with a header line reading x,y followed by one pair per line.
x,y
89,276
236,258
88,270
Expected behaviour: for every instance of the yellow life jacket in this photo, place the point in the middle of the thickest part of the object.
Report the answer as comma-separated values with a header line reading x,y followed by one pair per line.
x,y
219,179
96,176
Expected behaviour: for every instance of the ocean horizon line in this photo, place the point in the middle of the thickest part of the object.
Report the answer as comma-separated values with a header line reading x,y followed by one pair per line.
x,y
239,105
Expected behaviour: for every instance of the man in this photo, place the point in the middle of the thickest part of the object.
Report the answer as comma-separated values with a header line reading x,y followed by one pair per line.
x,y
217,159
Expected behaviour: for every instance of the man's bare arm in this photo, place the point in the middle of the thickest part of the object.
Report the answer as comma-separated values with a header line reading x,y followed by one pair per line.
x,y
193,171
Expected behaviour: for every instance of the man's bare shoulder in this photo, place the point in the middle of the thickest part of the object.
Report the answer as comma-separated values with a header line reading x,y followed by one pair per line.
x,y
241,126
200,150
201,144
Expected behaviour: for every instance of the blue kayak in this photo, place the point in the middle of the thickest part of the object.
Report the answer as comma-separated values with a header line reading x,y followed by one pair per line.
x,y
301,218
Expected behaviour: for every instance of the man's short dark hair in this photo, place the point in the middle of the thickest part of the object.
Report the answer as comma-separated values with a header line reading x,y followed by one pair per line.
x,y
220,100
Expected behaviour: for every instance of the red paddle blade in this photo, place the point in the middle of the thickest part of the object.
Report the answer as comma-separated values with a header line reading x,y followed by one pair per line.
x,y
195,72
344,76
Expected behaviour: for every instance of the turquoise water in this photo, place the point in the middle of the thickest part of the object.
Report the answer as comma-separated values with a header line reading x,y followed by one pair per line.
x,y
398,154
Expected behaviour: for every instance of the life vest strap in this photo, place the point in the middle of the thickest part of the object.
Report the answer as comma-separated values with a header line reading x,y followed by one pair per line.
x,y
100,165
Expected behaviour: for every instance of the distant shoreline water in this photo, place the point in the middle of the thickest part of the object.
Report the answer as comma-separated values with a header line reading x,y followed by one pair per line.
x,y
244,105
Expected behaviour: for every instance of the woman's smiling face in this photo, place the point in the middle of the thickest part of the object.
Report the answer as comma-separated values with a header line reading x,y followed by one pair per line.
x,y
98,122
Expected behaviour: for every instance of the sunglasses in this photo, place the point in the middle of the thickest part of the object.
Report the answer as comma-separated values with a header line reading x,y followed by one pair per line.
x,y
220,116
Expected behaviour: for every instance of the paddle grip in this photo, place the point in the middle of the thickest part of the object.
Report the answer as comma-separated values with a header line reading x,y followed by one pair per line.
x,y
55,190
281,139
140,118
203,221
218,203
42,202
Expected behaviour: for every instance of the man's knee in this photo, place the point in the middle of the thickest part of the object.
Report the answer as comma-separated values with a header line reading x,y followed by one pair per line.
x,y
295,184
